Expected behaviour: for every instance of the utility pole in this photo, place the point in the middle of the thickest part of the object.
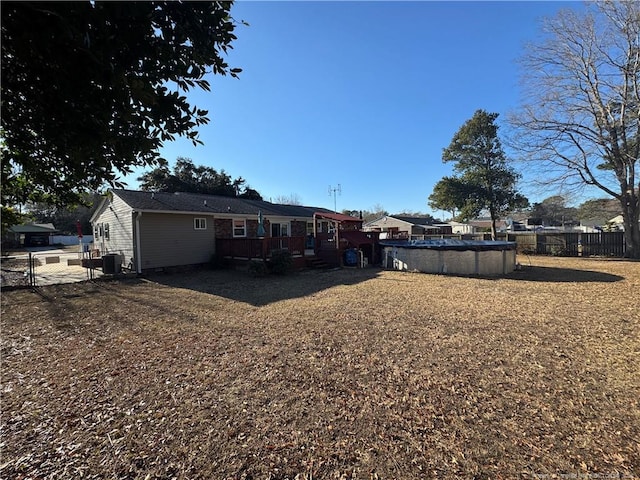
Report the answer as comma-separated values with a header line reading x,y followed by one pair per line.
x,y
333,191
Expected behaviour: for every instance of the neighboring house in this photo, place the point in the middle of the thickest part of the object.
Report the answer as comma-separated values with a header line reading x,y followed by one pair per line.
x,y
398,226
615,224
32,234
591,225
484,224
158,230
458,228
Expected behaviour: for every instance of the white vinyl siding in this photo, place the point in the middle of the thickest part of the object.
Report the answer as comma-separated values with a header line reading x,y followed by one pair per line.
x,y
117,215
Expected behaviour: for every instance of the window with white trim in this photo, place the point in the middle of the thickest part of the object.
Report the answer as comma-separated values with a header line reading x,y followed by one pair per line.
x,y
200,223
239,228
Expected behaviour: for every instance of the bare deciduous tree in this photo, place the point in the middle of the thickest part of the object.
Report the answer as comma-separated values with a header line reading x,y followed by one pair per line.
x,y
580,118
291,199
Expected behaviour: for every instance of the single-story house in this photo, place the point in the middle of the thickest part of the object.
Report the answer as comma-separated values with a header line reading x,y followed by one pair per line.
x,y
153,230
399,227
458,228
602,223
32,234
484,224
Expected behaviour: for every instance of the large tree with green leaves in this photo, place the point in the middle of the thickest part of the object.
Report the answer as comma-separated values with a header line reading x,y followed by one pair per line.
x,y
483,180
92,89
553,211
65,218
580,120
188,177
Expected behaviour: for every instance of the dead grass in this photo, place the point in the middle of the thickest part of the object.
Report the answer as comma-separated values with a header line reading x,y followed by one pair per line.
x,y
346,374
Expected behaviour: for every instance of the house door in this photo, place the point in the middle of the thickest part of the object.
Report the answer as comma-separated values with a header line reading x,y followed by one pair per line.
x,y
279,229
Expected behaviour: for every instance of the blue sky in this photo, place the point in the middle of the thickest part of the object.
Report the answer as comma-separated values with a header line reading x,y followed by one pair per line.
x,y
362,94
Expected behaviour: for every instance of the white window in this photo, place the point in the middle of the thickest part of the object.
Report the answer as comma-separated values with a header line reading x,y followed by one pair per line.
x,y
200,223
239,228
106,231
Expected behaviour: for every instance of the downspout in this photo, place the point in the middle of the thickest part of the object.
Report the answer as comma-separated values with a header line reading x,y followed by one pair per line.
x,y
138,253
315,235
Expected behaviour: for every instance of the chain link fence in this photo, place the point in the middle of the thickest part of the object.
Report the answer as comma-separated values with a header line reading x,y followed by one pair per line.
x,y
49,268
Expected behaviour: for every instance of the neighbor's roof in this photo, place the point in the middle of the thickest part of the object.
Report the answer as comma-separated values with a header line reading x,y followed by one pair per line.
x,y
33,228
421,221
199,203
487,223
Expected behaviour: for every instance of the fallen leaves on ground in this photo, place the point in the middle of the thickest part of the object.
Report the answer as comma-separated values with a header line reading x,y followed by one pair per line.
x,y
365,374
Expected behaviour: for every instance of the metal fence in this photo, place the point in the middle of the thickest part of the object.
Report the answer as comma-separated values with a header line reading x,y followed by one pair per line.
x,y
46,268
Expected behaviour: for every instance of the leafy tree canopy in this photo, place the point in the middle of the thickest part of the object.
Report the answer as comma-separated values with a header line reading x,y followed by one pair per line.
x,y
483,180
553,211
92,89
598,208
187,177
65,218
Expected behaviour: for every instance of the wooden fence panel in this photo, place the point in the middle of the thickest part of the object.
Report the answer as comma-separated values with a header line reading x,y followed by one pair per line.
x,y
570,243
603,244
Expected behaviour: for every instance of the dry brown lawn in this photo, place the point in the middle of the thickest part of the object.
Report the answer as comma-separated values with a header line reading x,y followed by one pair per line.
x,y
363,374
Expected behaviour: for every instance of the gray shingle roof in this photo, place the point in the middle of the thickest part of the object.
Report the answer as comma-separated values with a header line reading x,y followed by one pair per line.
x,y
195,202
33,228
413,220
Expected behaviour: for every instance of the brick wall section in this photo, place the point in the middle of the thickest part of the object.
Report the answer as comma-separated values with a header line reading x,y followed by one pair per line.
x,y
298,229
224,228
252,228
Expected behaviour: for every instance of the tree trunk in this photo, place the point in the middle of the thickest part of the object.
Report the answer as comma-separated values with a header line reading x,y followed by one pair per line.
x,y
494,234
630,217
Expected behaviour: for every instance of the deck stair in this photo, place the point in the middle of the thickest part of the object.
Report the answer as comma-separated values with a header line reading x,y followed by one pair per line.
x,y
316,263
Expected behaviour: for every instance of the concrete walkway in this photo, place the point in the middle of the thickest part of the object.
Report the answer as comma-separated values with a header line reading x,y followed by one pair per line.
x,y
55,266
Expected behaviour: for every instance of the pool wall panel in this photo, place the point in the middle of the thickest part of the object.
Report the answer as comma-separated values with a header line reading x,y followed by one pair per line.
x,y
493,262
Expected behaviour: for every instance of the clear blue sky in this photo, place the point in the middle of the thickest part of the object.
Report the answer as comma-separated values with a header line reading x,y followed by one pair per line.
x,y
361,94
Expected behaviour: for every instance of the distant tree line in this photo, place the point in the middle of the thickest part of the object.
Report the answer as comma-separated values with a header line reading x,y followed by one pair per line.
x,y
189,178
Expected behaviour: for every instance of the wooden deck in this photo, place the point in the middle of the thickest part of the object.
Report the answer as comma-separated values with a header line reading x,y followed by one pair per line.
x,y
248,248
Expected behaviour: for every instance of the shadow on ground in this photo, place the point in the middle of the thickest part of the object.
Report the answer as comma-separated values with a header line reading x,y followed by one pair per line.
x,y
554,274
240,286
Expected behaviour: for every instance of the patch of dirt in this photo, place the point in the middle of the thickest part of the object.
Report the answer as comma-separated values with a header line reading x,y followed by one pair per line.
x,y
363,374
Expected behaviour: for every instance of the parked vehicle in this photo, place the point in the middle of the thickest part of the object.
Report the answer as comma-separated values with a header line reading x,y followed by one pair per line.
x,y
38,241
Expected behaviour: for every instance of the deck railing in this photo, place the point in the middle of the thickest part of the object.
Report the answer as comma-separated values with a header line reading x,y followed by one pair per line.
x,y
258,247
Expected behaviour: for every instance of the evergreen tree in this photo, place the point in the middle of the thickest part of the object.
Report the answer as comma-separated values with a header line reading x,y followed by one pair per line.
x,y
483,181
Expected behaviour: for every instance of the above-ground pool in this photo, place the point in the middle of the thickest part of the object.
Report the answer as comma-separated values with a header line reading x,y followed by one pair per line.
x,y
450,256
